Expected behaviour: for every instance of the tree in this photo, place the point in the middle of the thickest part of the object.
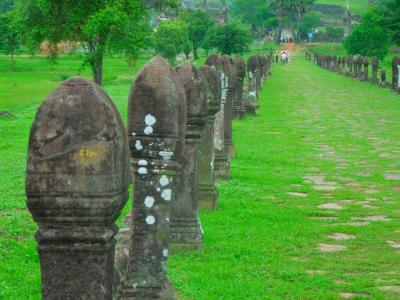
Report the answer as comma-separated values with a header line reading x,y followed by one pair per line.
x,y
93,23
389,10
229,39
311,20
253,12
170,39
368,38
279,7
299,9
198,23
10,35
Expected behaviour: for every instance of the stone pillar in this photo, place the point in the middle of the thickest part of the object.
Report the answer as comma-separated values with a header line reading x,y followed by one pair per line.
x,y
76,185
263,69
238,111
185,228
383,82
229,68
365,62
207,192
357,66
395,73
252,70
156,123
375,68
221,161
350,63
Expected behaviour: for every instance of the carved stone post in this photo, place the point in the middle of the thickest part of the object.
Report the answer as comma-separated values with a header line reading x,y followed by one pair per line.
x,y
156,122
221,161
252,70
383,83
375,68
395,73
185,230
365,63
350,63
229,68
77,184
207,192
238,111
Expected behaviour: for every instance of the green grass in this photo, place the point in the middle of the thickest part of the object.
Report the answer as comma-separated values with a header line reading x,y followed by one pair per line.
x,y
260,242
356,6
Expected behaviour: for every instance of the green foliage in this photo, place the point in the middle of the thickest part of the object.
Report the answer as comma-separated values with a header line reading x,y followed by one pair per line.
x,y
389,10
299,8
170,39
368,38
198,22
254,12
94,23
311,20
10,38
334,34
229,39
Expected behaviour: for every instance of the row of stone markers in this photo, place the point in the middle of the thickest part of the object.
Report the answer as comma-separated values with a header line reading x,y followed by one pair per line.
x,y
357,67
82,160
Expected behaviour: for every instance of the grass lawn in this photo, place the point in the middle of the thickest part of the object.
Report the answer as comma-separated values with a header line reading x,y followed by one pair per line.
x,y
356,6
318,138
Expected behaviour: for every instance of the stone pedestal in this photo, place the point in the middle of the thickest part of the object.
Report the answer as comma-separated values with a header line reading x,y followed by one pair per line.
x,y
185,229
156,122
76,186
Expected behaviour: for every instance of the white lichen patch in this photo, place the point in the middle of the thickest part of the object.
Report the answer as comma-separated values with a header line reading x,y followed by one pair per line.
x,y
142,162
138,145
166,195
150,220
150,120
165,252
149,201
133,133
142,171
164,181
166,154
148,130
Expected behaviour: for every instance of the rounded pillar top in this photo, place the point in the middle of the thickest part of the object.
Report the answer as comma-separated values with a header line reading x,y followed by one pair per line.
x,y
157,102
195,90
78,154
213,84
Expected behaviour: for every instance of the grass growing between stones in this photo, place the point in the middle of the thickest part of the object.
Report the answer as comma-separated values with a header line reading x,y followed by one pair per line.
x,y
318,138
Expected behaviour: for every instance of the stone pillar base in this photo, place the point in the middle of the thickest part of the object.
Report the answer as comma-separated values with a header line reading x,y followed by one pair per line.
x,y
222,168
133,291
207,196
230,149
238,113
185,235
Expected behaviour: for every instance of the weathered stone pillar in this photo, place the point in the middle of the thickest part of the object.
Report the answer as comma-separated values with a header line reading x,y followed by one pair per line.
x,y
238,111
395,73
350,63
229,68
76,185
185,229
358,66
263,69
383,83
252,70
221,161
375,68
156,123
365,62
207,192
